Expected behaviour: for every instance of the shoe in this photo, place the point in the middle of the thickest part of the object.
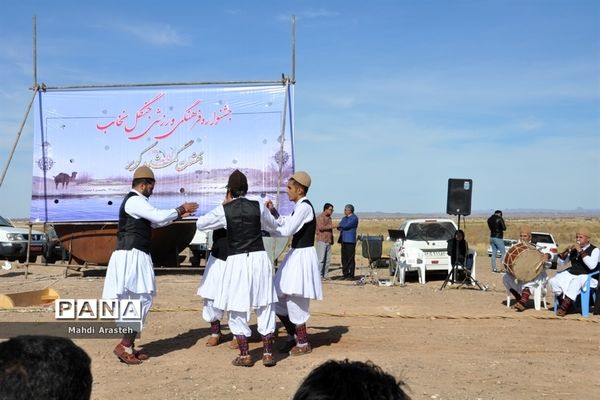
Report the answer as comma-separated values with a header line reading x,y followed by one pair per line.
x,y
561,312
213,341
289,345
243,361
140,356
299,351
125,357
268,360
233,345
519,306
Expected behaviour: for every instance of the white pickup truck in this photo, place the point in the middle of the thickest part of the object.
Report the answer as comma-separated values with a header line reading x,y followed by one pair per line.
x,y
428,235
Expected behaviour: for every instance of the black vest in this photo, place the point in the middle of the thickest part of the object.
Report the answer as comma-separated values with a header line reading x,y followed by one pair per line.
x,y
578,267
219,246
133,233
243,226
305,237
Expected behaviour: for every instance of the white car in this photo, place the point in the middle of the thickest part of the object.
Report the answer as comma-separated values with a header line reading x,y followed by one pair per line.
x,y
546,244
427,235
13,242
508,243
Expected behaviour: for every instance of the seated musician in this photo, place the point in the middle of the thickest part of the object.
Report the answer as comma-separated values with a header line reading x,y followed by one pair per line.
x,y
583,258
519,289
458,250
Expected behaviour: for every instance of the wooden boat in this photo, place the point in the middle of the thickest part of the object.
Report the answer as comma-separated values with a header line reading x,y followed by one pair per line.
x,y
94,242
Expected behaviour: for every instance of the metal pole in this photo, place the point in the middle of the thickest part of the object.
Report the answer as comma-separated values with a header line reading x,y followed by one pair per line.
x,y
282,141
293,49
12,152
34,52
128,85
35,89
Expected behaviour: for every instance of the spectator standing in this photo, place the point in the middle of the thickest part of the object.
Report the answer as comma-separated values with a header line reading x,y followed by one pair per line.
x,y
347,227
497,227
324,239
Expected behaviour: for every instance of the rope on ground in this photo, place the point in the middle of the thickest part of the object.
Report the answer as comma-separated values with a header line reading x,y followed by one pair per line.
x,y
514,316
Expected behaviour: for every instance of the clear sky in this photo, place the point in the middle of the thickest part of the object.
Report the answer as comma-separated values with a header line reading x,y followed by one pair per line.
x,y
392,97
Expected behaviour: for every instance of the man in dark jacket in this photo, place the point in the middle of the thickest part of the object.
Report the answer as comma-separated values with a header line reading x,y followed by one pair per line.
x,y
497,228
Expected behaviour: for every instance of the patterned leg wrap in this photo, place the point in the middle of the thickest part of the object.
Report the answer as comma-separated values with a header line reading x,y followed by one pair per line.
x,y
564,307
516,294
128,339
215,327
289,326
242,344
301,335
521,305
268,343
525,296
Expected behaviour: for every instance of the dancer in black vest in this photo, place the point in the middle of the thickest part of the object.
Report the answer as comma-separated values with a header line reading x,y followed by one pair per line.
x,y
583,258
130,273
298,279
211,280
248,279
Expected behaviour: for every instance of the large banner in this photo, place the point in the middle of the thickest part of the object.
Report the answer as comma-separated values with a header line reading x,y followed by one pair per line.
x,y
87,143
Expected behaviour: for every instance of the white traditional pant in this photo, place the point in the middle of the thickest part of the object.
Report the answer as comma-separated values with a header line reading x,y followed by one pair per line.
x,y
265,318
210,313
146,300
565,283
296,308
510,282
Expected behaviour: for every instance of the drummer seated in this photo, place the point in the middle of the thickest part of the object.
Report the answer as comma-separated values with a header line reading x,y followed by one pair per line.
x,y
520,289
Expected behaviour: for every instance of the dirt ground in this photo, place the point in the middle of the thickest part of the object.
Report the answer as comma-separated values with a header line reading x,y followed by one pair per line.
x,y
456,343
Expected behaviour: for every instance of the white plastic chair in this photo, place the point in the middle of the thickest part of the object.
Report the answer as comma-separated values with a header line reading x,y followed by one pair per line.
x,y
409,260
539,295
459,267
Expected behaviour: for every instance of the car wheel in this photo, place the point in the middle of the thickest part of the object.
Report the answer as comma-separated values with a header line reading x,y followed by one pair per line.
x,y
49,260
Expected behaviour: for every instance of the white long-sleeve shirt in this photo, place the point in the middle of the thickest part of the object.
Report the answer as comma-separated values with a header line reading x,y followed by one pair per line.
x,y
590,261
140,207
291,224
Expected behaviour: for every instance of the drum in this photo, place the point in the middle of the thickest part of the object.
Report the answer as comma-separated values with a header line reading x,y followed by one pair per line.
x,y
524,262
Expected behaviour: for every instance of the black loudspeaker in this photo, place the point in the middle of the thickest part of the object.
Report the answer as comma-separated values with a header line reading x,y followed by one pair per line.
x,y
459,196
